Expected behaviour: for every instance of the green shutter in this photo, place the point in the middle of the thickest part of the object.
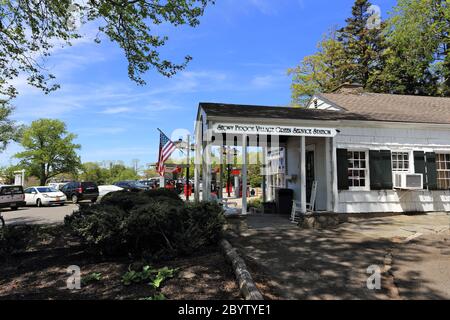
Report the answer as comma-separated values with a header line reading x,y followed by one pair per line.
x,y
342,169
419,166
380,165
386,174
431,170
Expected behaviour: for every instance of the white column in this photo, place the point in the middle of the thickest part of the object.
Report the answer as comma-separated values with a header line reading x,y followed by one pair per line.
x,y
334,175
204,173
329,173
264,174
208,172
198,156
303,175
244,174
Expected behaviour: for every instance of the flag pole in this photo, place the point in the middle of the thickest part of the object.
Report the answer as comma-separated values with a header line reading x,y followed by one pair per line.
x,y
162,180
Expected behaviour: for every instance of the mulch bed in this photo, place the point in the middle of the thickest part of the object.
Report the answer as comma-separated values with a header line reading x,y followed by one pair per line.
x,y
40,273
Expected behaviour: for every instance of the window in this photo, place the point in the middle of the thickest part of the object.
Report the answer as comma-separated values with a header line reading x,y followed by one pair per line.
x,y
443,171
400,161
357,170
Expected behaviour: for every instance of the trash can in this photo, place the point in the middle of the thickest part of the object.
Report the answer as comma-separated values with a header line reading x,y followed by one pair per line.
x,y
283,199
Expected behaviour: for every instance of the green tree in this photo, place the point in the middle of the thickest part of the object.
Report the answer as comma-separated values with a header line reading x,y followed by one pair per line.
x,y
7,173
30,29
355,53
91,171
9,129
119,172
363,45
49,150
320,72
419,41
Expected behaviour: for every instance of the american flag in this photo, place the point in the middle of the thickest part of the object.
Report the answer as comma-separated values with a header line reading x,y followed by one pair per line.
x,y
166,148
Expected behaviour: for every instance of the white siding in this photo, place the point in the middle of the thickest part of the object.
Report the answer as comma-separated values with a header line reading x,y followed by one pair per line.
x,y
321,105
394,200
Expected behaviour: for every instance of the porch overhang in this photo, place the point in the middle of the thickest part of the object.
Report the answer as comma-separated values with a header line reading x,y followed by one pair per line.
x,y
266,127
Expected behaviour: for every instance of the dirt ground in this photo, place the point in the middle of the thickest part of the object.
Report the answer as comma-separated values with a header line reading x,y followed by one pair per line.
x,y
40,273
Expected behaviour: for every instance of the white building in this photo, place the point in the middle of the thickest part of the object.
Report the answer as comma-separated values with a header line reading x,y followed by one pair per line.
x,y
368,153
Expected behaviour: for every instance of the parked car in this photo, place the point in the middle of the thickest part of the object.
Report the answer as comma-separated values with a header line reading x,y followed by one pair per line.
x,y
44,196
131,185
11,197
78,191
152,183
57,185
104,190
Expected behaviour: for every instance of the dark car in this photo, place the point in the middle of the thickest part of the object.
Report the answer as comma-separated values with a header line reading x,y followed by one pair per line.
x,y
152,183
131,185
78,191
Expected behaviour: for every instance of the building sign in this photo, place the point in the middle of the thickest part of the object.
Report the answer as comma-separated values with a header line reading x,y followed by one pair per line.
x,y
254,129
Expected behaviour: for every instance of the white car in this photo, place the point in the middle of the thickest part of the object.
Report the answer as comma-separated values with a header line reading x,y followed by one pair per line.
x,y
44,196
104,190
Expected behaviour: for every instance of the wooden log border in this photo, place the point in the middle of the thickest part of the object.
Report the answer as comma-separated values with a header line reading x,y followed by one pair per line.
x,y
247,286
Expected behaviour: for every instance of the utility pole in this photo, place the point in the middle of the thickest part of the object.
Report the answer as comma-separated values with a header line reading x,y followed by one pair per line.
x,y
188,165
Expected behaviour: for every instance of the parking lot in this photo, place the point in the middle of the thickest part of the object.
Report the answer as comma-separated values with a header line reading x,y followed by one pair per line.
x,y
35,215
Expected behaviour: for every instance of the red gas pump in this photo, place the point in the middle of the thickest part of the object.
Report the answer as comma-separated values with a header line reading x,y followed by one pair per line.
x,y
187,190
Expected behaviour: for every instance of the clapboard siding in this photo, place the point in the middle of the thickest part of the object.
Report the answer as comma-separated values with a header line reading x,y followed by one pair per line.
x,y
393,201
388,137
428,140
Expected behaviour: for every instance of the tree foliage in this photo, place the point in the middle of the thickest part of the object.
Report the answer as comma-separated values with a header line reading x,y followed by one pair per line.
x,y
7,173
30,29
322,71
418,35
9,129
92,171
407,54
49,150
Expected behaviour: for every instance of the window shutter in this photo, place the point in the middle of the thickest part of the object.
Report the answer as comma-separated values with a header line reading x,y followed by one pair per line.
x,y
342,169
386,158
380,170
431,170
419,166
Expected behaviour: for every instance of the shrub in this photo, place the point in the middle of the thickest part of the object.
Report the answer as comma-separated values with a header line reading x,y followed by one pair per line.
x,y
13,239
128,200
99,226
255,203
202,226
153,222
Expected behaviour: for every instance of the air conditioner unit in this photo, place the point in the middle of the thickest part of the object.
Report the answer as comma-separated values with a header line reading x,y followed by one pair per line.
x,y
408,181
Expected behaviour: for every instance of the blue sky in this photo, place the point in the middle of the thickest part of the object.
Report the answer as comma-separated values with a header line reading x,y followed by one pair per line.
x,y
241,52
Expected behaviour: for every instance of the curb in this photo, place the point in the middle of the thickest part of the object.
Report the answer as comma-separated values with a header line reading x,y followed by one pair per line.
x,y
246,285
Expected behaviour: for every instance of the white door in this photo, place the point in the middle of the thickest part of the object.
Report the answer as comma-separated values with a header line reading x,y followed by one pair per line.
x,y
30,196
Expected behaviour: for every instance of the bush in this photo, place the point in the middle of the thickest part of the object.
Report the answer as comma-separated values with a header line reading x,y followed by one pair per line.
x,y
100,226
154,222
255,203
13,239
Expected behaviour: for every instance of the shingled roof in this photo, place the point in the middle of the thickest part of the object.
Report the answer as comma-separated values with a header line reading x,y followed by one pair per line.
x,y
360,107
271,112
393,108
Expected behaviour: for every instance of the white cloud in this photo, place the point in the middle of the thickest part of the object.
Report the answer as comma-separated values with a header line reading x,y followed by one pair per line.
x,y
267,81
117,110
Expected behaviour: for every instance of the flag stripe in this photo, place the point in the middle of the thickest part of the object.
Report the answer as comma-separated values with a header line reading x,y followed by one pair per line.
x,y
166,148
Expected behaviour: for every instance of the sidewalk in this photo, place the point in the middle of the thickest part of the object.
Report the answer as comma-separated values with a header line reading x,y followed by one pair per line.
x,y
332,264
